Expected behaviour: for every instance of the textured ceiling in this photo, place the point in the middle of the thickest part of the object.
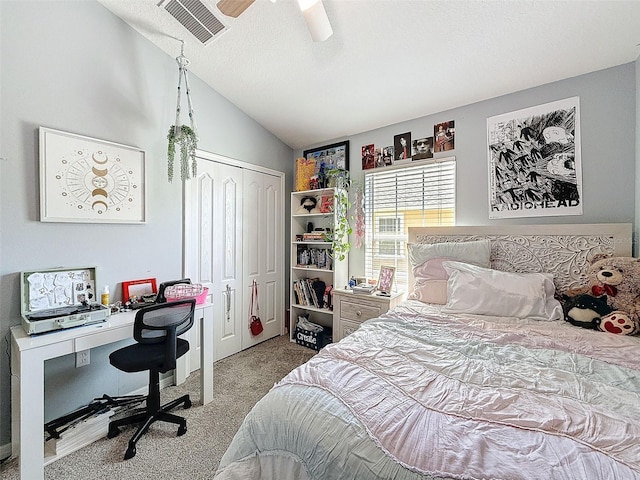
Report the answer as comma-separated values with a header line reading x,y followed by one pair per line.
x,y
390,60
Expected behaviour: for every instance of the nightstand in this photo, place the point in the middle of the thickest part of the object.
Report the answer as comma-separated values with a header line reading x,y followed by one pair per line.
x,y
351,309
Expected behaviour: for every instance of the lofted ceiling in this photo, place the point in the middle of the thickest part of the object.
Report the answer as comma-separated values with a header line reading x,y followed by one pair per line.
x,y
389,60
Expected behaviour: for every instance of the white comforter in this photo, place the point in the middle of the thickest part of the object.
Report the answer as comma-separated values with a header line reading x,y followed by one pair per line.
x,y
419,394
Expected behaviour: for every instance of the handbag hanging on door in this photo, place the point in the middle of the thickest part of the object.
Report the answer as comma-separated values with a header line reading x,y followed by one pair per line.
x,y
255,325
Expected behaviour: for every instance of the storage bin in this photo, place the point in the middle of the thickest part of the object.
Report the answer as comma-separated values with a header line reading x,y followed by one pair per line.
x,y
183,290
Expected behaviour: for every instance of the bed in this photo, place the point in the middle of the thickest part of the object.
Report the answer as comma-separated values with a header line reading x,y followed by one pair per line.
x,y
425,391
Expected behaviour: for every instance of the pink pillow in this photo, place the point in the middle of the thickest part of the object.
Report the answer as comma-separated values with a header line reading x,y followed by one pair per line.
x,y
430,282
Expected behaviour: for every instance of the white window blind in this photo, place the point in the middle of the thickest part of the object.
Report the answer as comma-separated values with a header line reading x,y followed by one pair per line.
x,y
420,196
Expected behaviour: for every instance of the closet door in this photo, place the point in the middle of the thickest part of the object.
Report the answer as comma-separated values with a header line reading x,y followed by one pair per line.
x,y
262,247
213,256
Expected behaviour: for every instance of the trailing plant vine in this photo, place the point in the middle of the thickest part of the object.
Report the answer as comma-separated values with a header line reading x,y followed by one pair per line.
x,y
340,245
187,141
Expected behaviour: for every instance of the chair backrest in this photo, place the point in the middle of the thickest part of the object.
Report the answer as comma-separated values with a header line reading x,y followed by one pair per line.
x,y
160,298
164,323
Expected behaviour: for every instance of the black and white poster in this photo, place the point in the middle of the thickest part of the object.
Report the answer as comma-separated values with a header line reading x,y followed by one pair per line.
x,y
534,161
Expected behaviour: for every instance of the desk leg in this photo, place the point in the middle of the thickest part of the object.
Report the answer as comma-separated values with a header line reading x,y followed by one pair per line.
x,y
206,355
27,411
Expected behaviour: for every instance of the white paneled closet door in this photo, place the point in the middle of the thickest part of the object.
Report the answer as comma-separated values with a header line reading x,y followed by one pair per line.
x,y
234,232
262,240
213,256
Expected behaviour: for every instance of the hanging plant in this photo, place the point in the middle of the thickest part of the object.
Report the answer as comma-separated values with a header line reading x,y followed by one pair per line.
x,y
187,141
340,245
183,136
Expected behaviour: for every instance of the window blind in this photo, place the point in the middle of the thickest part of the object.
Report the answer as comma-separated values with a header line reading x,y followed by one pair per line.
x,y
396,199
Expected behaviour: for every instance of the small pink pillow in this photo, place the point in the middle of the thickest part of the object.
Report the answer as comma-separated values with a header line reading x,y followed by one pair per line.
x,y
430,282
429,274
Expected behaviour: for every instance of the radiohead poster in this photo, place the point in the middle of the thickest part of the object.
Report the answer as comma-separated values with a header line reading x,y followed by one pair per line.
x,y
534,161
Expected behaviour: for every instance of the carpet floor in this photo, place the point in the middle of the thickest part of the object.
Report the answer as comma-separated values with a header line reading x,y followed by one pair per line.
x,y
239,382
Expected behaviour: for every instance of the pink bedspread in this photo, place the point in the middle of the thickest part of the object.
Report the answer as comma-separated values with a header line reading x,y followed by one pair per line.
x,y
477,397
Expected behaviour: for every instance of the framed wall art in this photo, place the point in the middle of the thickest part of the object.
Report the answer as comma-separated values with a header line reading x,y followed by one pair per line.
x,y
333,156
535,164
88,180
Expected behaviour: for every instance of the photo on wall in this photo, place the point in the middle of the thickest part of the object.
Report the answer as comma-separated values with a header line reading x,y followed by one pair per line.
x,y
387,155
444,135
535,161
422,148
368,161
402,146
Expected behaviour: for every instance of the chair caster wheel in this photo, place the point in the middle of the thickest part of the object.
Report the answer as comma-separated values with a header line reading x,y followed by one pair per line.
x,y
113,432
182,430
187,404
130,453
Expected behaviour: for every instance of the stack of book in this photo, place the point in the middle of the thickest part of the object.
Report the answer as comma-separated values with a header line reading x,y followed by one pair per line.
x,y
364,289
319,236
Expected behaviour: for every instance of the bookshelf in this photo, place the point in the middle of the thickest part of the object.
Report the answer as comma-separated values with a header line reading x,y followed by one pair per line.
x,y
313,267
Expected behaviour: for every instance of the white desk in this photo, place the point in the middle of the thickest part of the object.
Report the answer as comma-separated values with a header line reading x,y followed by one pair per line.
x,y
28,354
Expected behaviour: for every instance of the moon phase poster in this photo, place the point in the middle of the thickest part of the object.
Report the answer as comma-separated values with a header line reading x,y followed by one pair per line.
x,y
534,161
85,179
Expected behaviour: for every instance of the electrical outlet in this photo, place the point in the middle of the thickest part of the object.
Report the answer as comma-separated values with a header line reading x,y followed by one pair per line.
x,y
82,358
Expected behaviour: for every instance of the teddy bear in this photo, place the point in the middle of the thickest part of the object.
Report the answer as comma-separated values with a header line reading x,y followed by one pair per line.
x,y
616,281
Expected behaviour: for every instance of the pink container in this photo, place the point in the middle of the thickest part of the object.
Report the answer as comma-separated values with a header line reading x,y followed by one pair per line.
x,y
182,291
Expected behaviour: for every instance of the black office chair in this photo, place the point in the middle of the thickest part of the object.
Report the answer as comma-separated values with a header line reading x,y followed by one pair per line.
x,y
156,330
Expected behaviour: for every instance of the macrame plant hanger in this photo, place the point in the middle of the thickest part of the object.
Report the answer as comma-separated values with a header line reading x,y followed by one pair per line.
x,y
183,136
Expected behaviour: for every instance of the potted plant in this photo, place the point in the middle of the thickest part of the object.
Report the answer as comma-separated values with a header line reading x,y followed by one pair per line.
x,y
339,178
187,140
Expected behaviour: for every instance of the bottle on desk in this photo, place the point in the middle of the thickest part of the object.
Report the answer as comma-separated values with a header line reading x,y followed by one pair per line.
x,y
104,298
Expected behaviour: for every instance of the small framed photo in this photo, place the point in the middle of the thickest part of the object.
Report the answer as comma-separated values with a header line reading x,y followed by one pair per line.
x,y
138,288
385,280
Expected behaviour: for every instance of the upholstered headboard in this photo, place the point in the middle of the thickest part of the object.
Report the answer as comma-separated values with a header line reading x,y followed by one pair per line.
x,y
563,250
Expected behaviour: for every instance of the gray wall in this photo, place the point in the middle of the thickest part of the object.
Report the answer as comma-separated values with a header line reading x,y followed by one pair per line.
x,y
608,127
74,66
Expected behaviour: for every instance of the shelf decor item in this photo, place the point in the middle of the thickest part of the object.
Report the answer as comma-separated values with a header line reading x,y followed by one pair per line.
x,y
182,136
324,160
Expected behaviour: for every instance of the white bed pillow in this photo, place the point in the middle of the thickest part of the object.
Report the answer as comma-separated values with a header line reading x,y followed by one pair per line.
x,y
482,291
426,262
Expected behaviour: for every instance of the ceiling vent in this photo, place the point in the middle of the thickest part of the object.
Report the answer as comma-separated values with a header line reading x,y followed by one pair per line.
x,y
195,17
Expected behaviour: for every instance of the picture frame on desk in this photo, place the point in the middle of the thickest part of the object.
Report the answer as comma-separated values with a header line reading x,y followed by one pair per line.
x,y
88,180
138,288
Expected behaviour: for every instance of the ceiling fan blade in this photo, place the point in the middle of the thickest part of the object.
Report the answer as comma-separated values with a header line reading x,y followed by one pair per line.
x,y
233,8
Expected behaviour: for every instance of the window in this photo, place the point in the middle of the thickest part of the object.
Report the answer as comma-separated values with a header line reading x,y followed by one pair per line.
x,y
396,199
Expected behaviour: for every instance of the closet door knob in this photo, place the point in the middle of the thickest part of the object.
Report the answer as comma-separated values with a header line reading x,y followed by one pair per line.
x,y
358,313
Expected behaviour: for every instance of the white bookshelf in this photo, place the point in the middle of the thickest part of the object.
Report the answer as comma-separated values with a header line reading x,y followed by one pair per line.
x,y
335,274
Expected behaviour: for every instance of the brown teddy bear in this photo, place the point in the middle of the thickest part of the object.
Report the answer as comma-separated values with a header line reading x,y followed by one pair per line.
x,y
618,280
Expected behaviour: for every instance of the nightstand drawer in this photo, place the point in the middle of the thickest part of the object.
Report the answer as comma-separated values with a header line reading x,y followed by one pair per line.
x,y
358,311
347,327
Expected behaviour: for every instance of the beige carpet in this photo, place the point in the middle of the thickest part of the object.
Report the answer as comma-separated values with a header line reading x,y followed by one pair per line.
x,y
240,381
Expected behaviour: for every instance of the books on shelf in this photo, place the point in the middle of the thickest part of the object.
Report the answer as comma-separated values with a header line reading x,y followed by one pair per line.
x,y
310,292
314,236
